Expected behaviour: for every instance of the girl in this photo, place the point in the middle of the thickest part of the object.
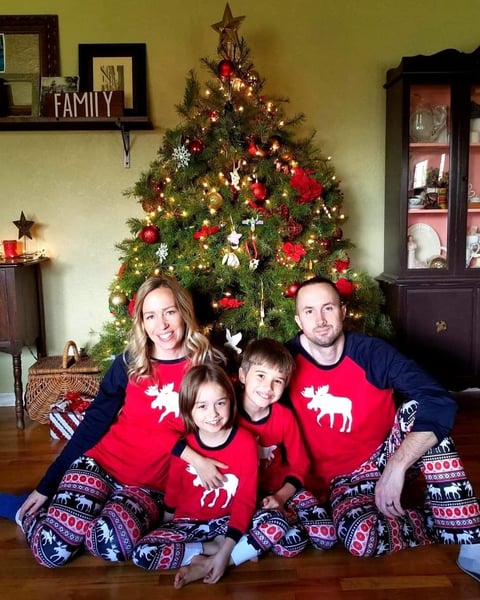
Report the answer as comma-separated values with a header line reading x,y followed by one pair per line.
x,y
104,491
209,527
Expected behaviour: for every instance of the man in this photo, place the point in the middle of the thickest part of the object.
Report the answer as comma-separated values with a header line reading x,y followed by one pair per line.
x,y
363,450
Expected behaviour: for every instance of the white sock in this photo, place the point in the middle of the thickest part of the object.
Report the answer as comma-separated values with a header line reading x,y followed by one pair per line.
x,y
191,549
17,518
469,557
243,551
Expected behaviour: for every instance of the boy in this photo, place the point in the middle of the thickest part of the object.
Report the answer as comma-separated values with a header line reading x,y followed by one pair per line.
x,y
265,372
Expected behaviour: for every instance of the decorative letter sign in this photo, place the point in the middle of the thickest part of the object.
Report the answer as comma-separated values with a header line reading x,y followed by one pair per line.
x,y
73,105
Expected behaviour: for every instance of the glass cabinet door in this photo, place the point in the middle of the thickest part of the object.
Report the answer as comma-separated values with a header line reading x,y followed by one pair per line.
x,y
427,201
472,258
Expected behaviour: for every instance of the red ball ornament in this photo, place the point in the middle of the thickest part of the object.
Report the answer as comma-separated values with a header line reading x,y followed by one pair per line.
x,y
150,234
259,191
226,68
252,148
325,244
337,234
291,290
213,115
196,146
345,287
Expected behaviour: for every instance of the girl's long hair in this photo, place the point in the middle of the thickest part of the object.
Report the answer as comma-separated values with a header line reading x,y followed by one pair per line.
x,y
197,347
193,379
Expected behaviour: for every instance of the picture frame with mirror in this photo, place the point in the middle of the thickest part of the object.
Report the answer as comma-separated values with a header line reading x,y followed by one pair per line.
x,y
29,51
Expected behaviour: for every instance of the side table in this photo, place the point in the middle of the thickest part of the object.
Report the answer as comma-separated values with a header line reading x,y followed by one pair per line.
x,y
22,319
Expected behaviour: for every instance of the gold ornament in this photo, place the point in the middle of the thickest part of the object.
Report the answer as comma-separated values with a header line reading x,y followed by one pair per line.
x,y
215,200
227,28
117,299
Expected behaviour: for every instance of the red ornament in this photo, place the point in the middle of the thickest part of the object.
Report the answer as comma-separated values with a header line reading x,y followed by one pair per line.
x,y
150,234
325,244
342,265
213,115
259,191
196,146
345,287
226,68
293,229
308,188
291,290
337,234
131,305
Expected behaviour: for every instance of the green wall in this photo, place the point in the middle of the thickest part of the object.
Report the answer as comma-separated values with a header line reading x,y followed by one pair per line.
x,y
329,58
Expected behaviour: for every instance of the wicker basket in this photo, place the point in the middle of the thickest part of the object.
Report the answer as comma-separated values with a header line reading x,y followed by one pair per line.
x,y
52,376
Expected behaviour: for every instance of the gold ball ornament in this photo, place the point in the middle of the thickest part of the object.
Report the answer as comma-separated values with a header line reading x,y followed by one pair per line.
x,y
215,200
117,299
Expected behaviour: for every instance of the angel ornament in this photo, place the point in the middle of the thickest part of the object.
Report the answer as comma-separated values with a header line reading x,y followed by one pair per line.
x,y
234,176
233,341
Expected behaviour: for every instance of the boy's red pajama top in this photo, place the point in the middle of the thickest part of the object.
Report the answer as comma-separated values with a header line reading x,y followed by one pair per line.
x,y
281,449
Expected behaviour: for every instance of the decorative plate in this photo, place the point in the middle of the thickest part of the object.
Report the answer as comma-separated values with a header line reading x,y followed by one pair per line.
x,y
427,240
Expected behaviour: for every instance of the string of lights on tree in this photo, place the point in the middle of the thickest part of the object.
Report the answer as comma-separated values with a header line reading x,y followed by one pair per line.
x,y
239,210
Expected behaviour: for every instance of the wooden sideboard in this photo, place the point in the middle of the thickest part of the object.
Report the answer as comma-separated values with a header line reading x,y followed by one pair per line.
x,y
22,321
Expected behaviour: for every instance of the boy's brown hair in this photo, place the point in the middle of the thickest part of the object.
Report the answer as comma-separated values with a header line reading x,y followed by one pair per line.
x,y
266,351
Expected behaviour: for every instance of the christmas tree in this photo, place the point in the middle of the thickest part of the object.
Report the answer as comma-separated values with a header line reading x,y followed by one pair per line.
x,y
239,210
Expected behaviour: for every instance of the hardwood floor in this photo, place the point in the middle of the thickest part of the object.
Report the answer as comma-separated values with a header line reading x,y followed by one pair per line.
x,y
429,572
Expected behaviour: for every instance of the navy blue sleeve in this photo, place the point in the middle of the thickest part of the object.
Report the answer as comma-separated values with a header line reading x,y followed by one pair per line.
x,y
386,367
97,420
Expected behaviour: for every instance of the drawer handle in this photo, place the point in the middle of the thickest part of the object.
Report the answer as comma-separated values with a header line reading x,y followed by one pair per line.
x,y
440,326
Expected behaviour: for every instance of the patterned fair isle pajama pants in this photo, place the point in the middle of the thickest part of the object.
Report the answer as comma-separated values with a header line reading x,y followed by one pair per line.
x,y
450,513
175,543
310,524
91,510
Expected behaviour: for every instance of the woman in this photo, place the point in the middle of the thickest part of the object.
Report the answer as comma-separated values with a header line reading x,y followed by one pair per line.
x,y
105,489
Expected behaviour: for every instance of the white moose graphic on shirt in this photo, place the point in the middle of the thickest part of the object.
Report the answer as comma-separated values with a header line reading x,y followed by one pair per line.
x,y
166,398
229,484
328,404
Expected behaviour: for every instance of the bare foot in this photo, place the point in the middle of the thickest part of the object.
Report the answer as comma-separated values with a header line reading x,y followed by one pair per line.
x,y
212,547
197,569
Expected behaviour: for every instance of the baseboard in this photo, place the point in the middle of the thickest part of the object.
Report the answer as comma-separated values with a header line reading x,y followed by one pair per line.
x,y
7,399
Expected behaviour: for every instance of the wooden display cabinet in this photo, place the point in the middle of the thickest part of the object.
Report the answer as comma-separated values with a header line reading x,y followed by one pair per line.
x,y
431,277
22,321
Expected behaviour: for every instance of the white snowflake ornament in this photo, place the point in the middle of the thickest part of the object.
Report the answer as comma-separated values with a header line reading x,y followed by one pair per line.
x,y
181,155
162,253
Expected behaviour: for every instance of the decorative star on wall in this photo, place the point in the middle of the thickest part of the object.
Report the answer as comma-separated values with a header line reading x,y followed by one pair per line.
x,y
24,226
228,26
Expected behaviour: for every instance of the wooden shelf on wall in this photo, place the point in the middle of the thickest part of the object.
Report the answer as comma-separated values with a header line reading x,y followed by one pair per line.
x,y
25,123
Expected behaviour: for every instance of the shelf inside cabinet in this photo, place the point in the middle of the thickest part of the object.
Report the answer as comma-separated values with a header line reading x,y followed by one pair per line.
x,y
429,146
430,211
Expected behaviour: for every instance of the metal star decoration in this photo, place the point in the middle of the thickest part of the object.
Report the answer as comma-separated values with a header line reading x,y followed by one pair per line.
x,y
24,226
227,28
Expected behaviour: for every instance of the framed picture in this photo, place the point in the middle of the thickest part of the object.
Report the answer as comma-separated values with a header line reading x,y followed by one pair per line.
x,y
19,95
30,44
28,51
110,67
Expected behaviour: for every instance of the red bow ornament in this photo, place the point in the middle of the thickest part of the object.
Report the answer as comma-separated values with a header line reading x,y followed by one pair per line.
x,y
294,251
205,232
307,187
230,303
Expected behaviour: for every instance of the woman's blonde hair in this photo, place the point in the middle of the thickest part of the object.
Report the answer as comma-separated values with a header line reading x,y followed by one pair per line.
x,y
193,379
196,345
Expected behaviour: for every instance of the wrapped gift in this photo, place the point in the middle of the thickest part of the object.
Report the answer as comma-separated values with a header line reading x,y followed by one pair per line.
x,y
67,414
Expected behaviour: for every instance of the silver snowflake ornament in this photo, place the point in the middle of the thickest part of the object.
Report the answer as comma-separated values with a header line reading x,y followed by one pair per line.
x,y
181,155
162,253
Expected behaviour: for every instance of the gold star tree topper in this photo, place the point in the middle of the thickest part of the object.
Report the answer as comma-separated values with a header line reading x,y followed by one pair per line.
x,y
24,226
227,28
